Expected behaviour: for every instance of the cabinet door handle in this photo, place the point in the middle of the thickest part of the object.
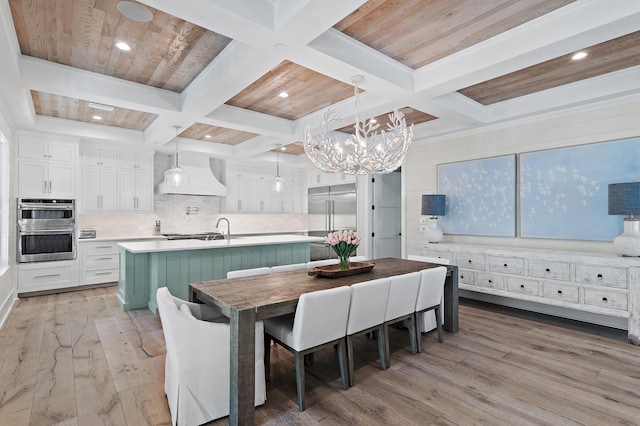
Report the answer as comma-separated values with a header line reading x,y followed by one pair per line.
x,y
44,188
50,190
97,201
261,205
239,204
47,276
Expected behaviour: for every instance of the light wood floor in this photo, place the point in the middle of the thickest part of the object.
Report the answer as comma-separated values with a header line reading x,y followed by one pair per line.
x,y
78,359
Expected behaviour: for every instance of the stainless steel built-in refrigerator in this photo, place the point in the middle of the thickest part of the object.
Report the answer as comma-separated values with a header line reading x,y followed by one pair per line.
x,y
331,208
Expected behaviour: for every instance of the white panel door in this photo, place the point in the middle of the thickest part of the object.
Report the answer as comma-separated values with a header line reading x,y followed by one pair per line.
x,y
386,215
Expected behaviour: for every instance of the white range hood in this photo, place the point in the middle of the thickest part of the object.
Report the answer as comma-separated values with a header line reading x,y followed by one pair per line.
x,y
201,178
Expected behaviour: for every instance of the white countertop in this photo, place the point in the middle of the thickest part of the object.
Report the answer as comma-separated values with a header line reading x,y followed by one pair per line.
x,y
177,245
99,239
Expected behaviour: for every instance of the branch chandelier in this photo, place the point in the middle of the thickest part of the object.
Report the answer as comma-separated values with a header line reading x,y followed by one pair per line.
x,y
366,151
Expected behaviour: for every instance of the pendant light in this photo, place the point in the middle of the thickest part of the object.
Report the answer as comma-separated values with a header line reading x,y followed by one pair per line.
x,y
278,182
176,176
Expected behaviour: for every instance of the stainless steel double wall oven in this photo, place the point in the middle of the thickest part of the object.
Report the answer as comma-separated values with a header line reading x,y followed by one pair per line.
x,y
46,229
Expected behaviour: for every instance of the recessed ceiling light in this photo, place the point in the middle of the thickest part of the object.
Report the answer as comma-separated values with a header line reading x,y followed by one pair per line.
x,y
406,110
123,46
97,117
579,55
373,120
134,11
100,106
283,148
207,136
283,95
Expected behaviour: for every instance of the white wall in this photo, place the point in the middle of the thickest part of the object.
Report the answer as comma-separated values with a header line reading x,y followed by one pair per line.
x,y
601,123
8,292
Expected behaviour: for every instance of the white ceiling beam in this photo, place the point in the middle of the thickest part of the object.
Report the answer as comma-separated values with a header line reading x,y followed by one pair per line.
x,y
249,121
50,77
88,130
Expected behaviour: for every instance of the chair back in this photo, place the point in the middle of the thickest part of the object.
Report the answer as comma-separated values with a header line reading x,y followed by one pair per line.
x,y
242,273
431,287
321,317
368,304
358,258
438,260
287,268
314,263
403,292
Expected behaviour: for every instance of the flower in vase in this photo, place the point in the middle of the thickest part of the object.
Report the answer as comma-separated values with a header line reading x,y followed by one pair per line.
x,y
343,243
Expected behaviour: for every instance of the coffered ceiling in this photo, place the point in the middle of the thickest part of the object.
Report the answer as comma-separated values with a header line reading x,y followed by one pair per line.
x,y
217,68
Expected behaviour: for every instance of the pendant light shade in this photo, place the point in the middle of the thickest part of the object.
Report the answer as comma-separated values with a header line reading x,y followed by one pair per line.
x,y
176,176
279,183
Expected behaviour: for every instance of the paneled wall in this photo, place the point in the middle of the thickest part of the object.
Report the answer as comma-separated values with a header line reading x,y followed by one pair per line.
x,y
606,122
7,280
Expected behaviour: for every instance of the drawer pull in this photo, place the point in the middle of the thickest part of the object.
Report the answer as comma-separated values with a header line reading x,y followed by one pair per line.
x,y
599,276
505,265
103,273
490,281
104,258
103,247
47,276
559,292
469,260
547,270
521,285
461,277
604,300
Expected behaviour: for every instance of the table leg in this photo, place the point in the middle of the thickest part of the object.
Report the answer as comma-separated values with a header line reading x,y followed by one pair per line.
x,y
451,300
243,367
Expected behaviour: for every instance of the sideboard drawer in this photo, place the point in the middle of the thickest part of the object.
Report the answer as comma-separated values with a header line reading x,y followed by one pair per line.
x,y
606,299
471,261
508,265
466,277
565,293
601,275
523,286
490,281
439,254
550,270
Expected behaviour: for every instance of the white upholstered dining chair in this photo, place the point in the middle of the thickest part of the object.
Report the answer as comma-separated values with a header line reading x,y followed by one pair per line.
x,y
366,314
252,272
287,268
427,321
401,305
314,263
357,258
320,319
430,297
197,370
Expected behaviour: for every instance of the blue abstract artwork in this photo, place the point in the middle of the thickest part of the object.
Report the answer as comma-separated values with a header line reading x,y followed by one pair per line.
x,y
564,192
480,196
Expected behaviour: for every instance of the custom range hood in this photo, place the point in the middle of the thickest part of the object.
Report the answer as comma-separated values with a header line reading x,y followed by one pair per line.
x,y
201,179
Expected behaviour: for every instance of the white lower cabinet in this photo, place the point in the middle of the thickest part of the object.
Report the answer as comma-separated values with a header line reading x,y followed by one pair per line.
x,y
42,276
603,286
99,262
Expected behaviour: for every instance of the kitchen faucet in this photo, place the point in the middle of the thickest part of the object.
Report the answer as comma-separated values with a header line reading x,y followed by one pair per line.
x,y
228,226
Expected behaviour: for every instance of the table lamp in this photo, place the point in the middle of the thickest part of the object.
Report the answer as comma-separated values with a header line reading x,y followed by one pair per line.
x,y
624,199
433,205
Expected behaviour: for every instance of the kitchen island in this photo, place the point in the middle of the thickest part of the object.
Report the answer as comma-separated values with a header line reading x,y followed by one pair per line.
x,y
146,266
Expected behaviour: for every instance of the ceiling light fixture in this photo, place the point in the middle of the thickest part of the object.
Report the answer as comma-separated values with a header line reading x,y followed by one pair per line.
x,y
100,106
134,11
283,95
366,151
96,117
207,136
176,176
278,182
579,55
123,46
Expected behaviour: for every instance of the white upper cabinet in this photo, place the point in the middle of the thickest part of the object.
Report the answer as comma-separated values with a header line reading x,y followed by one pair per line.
x,y
135,161
90,156
46,168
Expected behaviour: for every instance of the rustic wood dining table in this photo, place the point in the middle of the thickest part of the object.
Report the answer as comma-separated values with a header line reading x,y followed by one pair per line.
x,y
246,300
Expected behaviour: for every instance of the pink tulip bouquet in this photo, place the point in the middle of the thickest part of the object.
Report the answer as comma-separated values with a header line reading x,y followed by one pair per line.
x,y
343,243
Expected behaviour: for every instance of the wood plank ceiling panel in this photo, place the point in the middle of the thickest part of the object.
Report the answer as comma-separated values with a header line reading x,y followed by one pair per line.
x,y
294,148
419,32
57,106
308,91
216,134
411,116
613,55
167,52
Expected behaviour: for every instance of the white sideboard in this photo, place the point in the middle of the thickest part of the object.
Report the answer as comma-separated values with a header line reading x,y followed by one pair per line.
x,y
602,288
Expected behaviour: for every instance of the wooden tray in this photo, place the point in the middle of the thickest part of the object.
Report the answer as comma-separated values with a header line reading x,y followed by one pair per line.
x,y
333,271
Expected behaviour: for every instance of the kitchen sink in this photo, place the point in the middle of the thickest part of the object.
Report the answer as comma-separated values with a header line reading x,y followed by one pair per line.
x,y
206,236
